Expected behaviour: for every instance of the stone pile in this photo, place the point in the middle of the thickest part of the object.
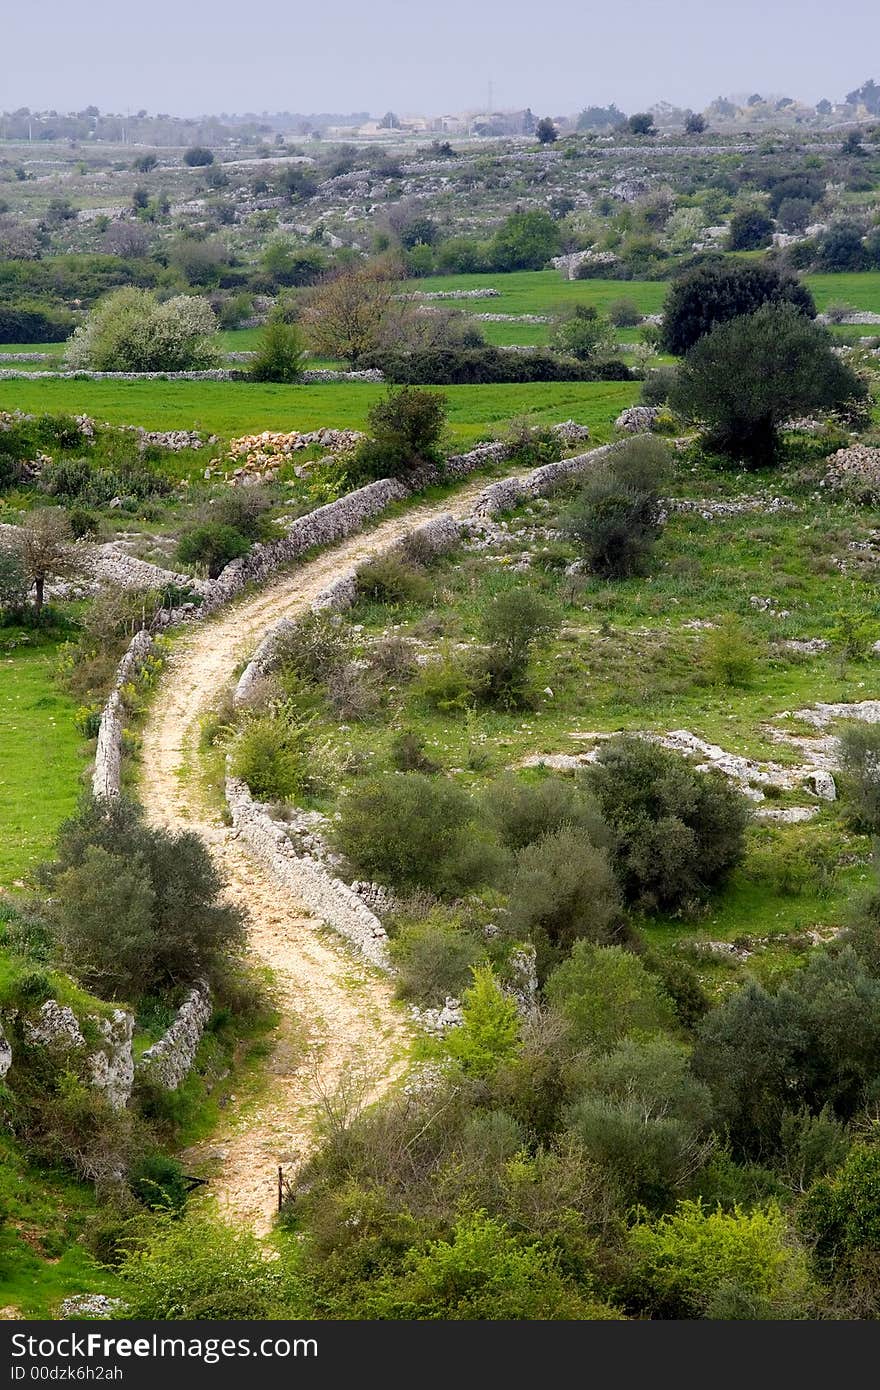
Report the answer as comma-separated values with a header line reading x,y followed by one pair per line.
x,y
637,419
259,456
855,469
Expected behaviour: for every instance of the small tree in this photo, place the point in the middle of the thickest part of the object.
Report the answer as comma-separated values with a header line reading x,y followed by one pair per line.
x,y
582,333
131,331
279,356
514,623
344,315
198,157
695,124
746,377
750,229
45,547
490,1029
604,992
723,290
642,123
526,241
405,432
546,132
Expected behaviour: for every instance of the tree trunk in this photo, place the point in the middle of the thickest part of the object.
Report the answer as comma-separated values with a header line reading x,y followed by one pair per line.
x,y
39,587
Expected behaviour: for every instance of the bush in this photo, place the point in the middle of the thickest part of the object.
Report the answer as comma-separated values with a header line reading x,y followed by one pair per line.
x,y
615,519
678,832
434,958
272,754
624,313
643,1117
131,331
389,578
583,334
731,653
408,753
409,831
562,889
859,755
135,909
514,623
198,157
722,290
749,230
658,385
199,1268
490,1028
25,323
159,1182
698,1263
405,432
211,546
604,993
487,366
744,378
313,646
522,812
526,241
279,356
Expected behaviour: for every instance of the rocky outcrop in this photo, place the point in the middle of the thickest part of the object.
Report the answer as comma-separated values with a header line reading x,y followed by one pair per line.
x,y
307,880
169,1061
110,1065
638,419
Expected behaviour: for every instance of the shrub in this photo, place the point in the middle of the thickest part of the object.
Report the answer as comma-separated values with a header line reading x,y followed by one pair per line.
x,y
158,1181
272,754
526,241
448,685
699,1263
313,646
721,290
391,579
198,157
642,1116
201,1269
749,230
615,519
624,313
487,366
279,356
211,546
859,754
744,378
514,623
13,585
583,334
434,958
658,385
604,993
131,331
408,753
678,832
409,831
135,909
563,888
405,429
522,812
489,1032
731,655
25,323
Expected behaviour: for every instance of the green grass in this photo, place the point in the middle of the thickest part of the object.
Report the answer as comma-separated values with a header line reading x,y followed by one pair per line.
x,y
40,757
543,292
861,289
234,408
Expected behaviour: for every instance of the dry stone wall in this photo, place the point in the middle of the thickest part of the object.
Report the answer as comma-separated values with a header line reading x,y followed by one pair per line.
x,y
168,1062
331,900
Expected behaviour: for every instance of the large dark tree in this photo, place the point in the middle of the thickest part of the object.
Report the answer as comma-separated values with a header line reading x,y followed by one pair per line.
x,y
742,380
722,290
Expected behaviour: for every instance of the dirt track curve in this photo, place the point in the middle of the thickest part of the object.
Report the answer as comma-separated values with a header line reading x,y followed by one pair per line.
x,y
337,1016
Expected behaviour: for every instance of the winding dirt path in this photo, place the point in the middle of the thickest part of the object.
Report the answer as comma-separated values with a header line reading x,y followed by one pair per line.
x,y
338,1019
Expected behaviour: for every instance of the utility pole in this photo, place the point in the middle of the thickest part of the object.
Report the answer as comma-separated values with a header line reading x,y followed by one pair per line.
x,y
490,97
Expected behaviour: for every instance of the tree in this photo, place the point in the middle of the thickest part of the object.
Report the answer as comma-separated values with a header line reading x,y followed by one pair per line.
x,y
405,433
546,132
514,623
841,248
582,333
44,545
722,290
490,1027
747,376
145,163
344,315
605,992
695,124
563,888
131,331
679,832
750,229
642,123
526,241
279,355
198,157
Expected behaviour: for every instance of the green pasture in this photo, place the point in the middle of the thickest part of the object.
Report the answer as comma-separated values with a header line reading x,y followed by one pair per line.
x,y
234,408
40,756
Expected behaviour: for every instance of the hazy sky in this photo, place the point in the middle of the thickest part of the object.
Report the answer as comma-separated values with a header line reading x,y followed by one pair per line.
x,y
195,56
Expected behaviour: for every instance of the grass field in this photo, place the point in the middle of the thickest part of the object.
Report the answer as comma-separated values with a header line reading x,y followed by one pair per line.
x,y
233,409
861,289
544,292
40,758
